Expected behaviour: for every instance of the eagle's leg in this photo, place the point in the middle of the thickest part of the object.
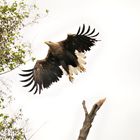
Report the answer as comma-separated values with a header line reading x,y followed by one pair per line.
x,y
81,68
81,61
66,68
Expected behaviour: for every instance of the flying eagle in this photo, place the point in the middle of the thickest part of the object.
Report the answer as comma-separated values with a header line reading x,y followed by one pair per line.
x,y
66,55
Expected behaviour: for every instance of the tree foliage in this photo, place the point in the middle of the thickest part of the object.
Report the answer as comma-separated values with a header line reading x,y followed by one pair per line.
x,y
13,17
10,125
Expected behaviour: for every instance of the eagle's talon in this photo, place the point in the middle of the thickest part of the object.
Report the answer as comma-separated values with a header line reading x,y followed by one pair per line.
x,y
82,69
71,78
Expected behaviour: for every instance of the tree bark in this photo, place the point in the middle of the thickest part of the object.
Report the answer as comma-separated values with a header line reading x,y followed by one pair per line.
x,y
89,117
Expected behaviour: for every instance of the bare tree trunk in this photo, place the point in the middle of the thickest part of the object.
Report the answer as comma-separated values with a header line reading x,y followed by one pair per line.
x,y
89,117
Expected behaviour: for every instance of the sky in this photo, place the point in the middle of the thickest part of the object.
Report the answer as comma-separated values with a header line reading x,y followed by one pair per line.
x,y
112,71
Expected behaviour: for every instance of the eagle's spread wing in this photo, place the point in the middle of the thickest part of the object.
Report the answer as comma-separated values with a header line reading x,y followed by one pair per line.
x,y
44,73
82,41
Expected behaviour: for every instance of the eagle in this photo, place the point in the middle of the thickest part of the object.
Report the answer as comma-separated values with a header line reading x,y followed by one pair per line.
x,y
66,56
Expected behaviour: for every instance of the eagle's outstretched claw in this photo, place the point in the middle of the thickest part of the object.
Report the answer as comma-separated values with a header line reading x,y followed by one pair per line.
x,y
71,78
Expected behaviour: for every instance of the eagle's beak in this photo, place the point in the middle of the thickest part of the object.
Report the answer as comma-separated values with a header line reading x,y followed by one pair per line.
x,y
46,42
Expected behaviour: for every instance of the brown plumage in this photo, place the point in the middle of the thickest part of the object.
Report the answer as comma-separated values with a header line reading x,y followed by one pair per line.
x,y
63,54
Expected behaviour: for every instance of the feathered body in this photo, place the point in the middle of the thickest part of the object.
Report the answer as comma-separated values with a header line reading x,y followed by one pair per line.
x,y
67,54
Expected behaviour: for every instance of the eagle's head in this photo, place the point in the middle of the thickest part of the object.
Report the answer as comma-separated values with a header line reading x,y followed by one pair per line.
x,y
49,43
52,44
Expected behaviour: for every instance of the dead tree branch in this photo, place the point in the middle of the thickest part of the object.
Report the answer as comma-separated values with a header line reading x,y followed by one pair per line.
x,y
89,117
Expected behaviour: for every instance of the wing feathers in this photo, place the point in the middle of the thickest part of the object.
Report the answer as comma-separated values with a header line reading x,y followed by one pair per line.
x,y
87,31
28,83
83,29
27,79
78,30
32,87
27,74
27,70
82,41
91,32
44,73
37,90
95,35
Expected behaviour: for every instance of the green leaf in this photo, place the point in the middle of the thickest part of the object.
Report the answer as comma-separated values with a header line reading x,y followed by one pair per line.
x,y
1,115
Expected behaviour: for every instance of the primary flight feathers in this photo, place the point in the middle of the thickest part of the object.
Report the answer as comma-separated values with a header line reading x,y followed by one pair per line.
x,y
68,54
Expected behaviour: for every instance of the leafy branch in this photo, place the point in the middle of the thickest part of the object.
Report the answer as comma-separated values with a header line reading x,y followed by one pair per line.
x,y
14,16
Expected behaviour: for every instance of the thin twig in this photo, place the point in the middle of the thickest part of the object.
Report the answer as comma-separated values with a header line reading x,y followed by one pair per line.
x,y
84,106
36,131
